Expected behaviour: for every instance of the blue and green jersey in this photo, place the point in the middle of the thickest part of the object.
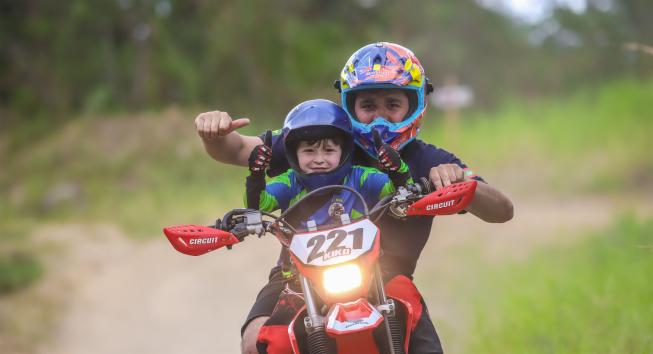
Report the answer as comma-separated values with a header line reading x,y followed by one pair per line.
x,y
285,189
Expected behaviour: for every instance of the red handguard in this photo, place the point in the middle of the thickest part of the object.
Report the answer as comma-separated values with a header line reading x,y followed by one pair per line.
x,y
449,200
195,240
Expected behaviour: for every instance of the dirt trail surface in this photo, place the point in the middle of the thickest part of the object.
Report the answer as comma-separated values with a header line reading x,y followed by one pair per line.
x,y
124,296
117,295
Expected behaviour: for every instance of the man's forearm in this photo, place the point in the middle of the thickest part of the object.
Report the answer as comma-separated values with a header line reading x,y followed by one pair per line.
x,y
490,205
232,148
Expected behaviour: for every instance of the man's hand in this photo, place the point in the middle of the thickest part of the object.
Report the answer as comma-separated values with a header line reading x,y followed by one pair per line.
x,y
446,174
215,124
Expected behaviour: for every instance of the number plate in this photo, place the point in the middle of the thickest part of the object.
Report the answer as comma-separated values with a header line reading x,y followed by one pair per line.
x,y
329,247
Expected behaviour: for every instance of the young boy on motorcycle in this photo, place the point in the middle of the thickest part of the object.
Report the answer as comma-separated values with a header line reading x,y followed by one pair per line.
x,y
383,87
318,144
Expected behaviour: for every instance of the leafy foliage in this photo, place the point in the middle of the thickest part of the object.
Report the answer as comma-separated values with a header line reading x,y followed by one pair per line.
x,y
256,56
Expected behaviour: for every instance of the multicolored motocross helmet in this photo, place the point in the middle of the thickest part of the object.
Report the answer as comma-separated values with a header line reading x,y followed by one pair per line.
x,y
314,120
379,66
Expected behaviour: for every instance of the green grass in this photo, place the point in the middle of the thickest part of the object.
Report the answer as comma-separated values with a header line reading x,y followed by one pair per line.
x,y
597,139
130,172
17,270
595,297
148,170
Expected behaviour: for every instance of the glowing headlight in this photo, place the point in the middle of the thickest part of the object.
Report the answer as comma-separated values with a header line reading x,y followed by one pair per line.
x,y
342,278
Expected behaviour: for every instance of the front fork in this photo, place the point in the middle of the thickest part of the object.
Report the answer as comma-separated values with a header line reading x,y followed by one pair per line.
x,y
318,342
314,322
393,328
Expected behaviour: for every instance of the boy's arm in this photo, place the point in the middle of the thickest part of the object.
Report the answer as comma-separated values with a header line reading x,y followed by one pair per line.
x,y
264,197
255,182
258,162
400,176
277,193
489,204
221,141
391,163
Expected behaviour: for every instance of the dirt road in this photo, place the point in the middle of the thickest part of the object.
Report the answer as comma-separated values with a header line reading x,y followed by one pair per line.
x,y
116,295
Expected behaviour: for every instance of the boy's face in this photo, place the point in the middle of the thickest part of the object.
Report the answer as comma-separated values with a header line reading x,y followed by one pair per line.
x,y
322,156
391,104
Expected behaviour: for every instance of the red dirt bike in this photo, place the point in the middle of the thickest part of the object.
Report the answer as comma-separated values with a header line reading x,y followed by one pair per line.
x,y
347,308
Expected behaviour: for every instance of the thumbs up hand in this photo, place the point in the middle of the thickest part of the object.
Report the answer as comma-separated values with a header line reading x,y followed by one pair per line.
x,y
391,162
259,158
216,124
389,158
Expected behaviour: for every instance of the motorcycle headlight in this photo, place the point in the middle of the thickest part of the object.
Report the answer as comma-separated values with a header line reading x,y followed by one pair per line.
x,y
343,278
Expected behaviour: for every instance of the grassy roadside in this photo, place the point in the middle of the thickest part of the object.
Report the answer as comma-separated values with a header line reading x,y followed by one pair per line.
x,y
139,170
149,170
17,270
592,297
597,140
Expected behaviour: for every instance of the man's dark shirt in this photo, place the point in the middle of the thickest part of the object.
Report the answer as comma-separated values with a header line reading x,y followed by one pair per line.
x,y
402,241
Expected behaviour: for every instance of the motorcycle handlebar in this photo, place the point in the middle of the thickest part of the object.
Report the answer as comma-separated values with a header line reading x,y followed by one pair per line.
x,y
244,222
404,194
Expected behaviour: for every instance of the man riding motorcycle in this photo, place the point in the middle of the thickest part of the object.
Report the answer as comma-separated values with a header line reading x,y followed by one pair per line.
x,y
318,143
383,88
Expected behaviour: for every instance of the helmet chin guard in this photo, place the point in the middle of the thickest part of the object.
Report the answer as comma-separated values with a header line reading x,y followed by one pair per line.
x,y
396,135
312,181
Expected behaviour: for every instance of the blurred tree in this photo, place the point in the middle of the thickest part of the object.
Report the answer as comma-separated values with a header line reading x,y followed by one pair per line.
x,y
261,57
590,46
